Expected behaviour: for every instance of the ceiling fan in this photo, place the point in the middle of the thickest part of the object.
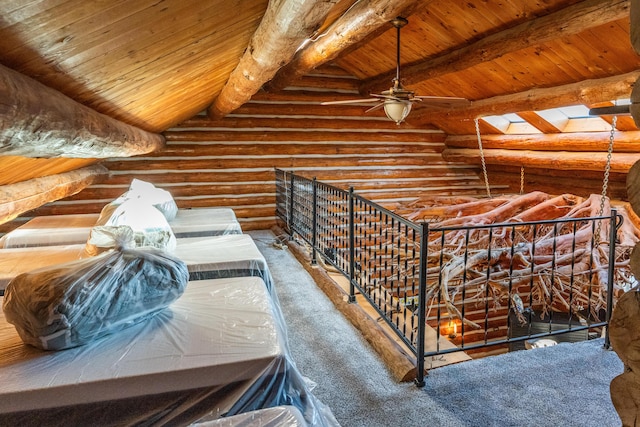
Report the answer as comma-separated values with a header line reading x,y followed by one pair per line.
x,y
397,100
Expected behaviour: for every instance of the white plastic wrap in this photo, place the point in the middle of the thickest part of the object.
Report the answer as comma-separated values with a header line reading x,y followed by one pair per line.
x,y
208,346
279,416
199,222
223,256
218,351
50,231
206,258
72,229
76,303
150,227
157,197
21,260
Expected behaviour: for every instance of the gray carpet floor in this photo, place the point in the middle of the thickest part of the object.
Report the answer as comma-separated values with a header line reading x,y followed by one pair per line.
x,y
563,385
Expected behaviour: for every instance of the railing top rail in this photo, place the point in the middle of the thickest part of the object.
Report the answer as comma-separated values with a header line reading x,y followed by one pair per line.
x,y
519,224
376,206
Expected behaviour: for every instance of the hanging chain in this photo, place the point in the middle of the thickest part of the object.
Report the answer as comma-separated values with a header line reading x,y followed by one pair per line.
x,y
522,179
605,181
484,165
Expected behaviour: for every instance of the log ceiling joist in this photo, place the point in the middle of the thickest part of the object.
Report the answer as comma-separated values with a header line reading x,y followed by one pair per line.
x,y
33,193
624,142
360,23
571,20
578,161
460,121
37,121
284,27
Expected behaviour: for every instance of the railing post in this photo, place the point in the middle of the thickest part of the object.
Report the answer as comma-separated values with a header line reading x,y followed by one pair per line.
x,y
613,233
291,205
314,222
422,315
352,248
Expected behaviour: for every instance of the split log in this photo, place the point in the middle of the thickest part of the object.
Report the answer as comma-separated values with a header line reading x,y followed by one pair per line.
x,y
585,92
625,142
38,121
633,187
27,195
591,161
634,15
285,25
570,20
358,24
623,332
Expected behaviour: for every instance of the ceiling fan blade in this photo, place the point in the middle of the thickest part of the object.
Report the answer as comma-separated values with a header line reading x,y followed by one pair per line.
x,y
350,101
443,100
375,107
384,96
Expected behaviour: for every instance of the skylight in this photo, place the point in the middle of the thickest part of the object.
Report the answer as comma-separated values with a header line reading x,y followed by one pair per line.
x,y
573,118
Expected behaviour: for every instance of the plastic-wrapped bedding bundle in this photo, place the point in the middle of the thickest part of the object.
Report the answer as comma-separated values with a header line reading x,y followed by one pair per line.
x,y
157,197
150,228
72,304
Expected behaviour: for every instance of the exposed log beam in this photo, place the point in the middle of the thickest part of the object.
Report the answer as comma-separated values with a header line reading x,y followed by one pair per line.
x,y
27,195
284,27
38,121
358,24
634,15
624,142
571,20
593,161
585,92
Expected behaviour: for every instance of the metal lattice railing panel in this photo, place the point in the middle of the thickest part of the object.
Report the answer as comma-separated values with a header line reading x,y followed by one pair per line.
x,y
459,288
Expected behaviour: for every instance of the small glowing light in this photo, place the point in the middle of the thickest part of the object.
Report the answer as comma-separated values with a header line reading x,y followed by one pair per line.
x,y
397,110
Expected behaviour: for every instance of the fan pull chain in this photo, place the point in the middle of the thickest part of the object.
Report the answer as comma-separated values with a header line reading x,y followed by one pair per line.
x,y
522,179
484,165
605,181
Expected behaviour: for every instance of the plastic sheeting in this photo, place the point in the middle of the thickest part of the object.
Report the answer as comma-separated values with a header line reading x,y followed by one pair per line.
x,y
73,229
279,416
76,303
218,351
150,227
223,256
206,258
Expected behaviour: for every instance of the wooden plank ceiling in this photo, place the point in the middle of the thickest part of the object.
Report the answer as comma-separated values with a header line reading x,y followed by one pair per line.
x,y
153,64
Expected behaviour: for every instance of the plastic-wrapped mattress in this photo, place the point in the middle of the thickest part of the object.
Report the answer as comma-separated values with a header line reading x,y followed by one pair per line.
x,y
74,229
218,351
208,346
206,258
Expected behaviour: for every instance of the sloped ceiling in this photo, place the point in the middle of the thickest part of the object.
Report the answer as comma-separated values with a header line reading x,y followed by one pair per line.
x,y
149,63
155,63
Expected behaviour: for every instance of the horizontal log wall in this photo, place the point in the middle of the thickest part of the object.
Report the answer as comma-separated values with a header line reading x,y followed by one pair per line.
x,y
230,162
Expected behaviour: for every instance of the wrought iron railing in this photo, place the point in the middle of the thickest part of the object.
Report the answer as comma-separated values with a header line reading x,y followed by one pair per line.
x,y
462,288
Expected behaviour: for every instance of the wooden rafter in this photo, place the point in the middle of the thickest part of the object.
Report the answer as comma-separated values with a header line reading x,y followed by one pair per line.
x,y
585,92
284,27
38,121
360,23
625,142
33,193
578,161
571,20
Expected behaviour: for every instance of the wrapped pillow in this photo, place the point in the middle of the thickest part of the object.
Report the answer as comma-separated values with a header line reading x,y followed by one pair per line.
x,y
72,304
159,198
109,209
150,229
